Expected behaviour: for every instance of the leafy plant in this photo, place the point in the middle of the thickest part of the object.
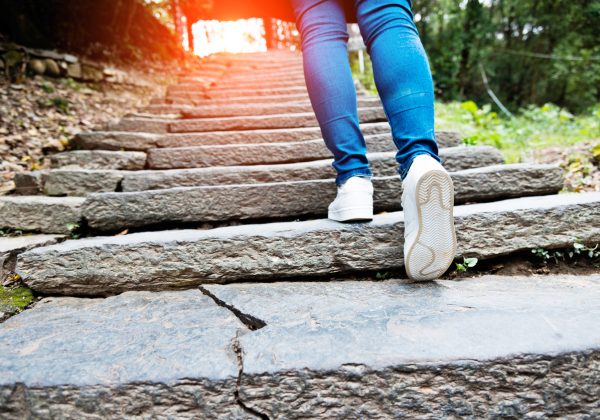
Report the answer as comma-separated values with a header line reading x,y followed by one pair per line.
x,y
73,229
466,264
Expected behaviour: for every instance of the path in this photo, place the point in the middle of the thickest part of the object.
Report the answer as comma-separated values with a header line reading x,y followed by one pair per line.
x,y
234,149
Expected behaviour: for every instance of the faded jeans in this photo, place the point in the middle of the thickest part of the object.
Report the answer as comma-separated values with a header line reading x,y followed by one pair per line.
x,y
400,69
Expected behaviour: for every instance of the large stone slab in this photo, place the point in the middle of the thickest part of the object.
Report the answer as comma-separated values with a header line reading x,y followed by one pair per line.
x,y
143,141
225,92
78,182
288,200
100,159
241,100
261,109
10,247
40,213
491,347
306,119
180,258
153,355
265,153
382,164
116,140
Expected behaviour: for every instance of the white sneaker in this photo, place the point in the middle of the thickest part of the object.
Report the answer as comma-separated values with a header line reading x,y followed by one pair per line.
x,y
428,204
354,200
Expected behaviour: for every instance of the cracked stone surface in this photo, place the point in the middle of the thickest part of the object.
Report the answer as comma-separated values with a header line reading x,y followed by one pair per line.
x,y
137,354
112,211
488,347
382,164
100,159
79,182
182,258
40,213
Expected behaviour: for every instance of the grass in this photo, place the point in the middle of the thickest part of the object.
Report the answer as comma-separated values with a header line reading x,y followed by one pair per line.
x,y
519,136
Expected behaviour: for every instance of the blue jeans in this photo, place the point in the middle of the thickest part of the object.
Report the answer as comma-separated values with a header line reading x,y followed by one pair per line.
x,y
400,69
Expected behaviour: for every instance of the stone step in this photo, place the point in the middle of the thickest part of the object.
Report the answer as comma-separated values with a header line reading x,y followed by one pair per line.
x,y
100,159
129,140
183,258
299,120
480,348
10,247
258,108
262,109
241,74
163,125
40,213
288,200
240,100
78,182
266,153
227,92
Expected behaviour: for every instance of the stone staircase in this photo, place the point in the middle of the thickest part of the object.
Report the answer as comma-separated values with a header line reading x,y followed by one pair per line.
x,y
226,180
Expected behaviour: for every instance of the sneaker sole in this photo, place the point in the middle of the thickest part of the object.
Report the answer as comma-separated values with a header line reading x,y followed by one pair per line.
x,y
434,247
352,214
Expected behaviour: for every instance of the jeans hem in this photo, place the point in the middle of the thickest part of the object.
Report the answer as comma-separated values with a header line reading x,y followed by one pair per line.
x,y
340,179
405,167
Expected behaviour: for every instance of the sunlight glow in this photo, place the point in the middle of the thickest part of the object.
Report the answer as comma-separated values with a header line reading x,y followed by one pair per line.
x,y
244,35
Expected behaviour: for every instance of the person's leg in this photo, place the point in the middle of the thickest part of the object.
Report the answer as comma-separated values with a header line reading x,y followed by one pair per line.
x,y
322,26
402,76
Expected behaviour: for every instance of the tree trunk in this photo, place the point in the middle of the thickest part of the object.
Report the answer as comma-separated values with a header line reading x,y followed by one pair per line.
x,y
190,34
269,33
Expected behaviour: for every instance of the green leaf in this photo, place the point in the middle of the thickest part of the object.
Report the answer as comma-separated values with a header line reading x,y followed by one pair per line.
x,y
471,262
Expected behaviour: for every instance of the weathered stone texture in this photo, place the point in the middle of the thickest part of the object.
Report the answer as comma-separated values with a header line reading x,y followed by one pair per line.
x,y
489,347
306,119
79,182
264,153
130,355
39,213
159,260
10,247
115,140
100,159
111,211
382,164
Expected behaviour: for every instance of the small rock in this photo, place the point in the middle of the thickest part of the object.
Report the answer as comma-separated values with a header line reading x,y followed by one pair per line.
x,y
74,71
37,66
52,68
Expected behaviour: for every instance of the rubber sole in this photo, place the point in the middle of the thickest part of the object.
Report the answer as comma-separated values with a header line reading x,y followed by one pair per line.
x,y
434,247
351,214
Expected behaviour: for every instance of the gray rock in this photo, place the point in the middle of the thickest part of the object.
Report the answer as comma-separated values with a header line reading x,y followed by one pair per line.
x,y
29,183
286,200
200,101
143,354
91,73
40,213
141,125
116,140
74,71
267,153
10,247
492,347
78,182
52,68
99,159
382,164
180,258
306,119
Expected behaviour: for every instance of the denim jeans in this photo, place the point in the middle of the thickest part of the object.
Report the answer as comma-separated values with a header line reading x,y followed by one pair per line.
x,y
400,69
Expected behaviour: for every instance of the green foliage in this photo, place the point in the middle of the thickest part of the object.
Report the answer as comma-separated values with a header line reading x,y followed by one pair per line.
x,y
578,250
60,103
74,229
531,128
466,264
